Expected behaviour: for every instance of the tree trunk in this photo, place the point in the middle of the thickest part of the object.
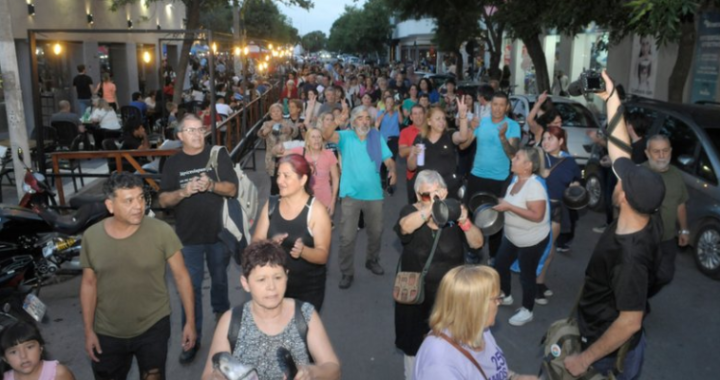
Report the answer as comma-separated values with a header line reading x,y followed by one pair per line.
x,y
535,50
683,61
192,14
459,65
237,65
13,95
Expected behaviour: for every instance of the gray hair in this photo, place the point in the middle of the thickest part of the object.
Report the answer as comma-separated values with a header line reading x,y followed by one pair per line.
x,y
429,177
188,116
657,137
275,105
356,112
533,155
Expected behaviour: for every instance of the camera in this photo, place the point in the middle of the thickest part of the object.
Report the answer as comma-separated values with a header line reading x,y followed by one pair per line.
x,y
590,82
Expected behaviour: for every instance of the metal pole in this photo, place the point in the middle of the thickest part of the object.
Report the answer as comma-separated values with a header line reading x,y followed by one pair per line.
x,y
161,79
37,106
211,68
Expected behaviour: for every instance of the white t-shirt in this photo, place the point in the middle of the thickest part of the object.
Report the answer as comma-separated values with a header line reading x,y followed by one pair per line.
x,y
223,109
106,118
520,231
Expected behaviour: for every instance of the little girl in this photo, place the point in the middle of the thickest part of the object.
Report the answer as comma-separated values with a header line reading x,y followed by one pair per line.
x,y
22,350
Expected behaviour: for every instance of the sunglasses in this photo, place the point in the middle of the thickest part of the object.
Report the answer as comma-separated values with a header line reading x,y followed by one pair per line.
x,y
425,197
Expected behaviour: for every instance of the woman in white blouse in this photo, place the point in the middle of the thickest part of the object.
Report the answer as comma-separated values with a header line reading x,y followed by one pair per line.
x,y
527,230
105,116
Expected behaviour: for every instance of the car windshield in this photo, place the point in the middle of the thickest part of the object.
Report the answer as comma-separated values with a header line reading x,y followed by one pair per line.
x,y
573,115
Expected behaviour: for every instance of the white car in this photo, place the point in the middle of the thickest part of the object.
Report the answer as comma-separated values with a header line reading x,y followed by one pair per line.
x,y
576,121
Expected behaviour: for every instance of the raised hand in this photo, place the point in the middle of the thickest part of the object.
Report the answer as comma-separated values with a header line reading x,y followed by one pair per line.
x,y
502,130
462,108
542,98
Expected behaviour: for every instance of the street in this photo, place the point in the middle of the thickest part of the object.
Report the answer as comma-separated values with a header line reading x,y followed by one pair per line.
x,y
359,321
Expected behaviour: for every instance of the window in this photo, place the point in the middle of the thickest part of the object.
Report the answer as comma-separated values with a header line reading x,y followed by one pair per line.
x,y
705,169
574,115
518,107
683,140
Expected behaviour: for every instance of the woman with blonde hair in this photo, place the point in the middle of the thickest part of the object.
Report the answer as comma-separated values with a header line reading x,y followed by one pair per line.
x,y
460,344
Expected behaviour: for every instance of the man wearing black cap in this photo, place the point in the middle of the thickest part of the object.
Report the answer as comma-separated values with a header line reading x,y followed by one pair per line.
x,y
623,266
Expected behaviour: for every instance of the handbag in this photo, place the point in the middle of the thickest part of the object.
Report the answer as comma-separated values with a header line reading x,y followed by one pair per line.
x,y
409,288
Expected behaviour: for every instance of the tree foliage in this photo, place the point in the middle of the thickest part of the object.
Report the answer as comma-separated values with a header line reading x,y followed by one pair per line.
x,y
263,20
314,41
456,21
352,33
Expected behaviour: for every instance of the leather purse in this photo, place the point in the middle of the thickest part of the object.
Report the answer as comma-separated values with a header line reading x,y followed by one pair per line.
x,y
409,288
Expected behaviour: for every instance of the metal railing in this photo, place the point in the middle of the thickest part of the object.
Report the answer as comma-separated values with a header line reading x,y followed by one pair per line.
x,y
238,133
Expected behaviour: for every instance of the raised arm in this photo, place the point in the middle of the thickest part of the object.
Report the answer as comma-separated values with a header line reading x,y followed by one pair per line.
x,y
463,134
619,133
536,128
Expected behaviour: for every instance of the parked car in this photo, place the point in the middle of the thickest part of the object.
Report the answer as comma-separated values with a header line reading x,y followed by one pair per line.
x,y
438,80
577,120
694,133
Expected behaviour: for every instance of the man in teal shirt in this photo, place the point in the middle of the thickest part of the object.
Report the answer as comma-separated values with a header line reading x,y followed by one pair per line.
x,y
362,150
498,139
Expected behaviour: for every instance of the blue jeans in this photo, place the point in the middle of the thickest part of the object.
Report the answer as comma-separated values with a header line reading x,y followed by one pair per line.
x,y
84,104
632,365
218,259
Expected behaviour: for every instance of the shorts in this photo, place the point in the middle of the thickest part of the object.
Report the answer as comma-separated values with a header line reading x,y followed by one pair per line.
x,y
149,348
555,211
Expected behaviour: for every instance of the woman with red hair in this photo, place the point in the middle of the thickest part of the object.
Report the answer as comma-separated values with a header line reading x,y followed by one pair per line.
x,y
561,171
301,226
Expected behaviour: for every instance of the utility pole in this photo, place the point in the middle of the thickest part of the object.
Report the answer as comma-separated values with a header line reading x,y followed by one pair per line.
x,y
13,97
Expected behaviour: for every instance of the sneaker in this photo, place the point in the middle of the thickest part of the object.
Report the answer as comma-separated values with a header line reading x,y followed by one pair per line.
x,y
600,229
562,248
544,290
522,317
187,357
374,267
507,301
541,300
345,282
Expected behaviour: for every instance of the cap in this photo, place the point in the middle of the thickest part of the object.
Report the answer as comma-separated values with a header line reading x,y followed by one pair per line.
x,y
644,189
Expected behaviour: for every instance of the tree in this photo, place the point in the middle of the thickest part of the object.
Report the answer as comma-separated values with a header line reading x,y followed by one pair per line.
x,y
314,41
351,32
493,36
263,21
193,10
456,21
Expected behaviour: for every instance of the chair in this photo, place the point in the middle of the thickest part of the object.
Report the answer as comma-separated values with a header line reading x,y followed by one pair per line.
x,y
66,133
110,144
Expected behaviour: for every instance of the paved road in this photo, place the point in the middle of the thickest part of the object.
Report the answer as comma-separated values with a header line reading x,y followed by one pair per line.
x,y
681,328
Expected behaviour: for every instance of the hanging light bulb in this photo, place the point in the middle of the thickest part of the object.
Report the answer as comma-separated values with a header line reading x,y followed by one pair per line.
x,y
214,47
246,50
146,57
57,49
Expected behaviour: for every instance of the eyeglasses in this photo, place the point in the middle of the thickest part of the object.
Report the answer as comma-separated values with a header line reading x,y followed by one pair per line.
x,y
498,300
193,131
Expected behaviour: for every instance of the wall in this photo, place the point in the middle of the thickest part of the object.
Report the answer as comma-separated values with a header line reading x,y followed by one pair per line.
x,y
409,28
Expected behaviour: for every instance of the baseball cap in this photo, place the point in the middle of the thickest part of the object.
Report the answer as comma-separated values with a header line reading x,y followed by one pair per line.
x,y
644,189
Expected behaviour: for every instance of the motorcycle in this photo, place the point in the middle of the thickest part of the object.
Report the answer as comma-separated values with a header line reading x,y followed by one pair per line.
x,y
36,242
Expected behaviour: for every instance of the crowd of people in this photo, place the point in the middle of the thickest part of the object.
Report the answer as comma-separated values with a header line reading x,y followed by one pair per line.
x,y
335,136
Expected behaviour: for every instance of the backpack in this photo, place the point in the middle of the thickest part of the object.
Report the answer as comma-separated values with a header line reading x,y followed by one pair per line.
x,y
236,321
237,216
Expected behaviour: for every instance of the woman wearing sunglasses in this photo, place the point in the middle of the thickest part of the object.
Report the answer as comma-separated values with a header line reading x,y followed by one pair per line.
x,y
417,230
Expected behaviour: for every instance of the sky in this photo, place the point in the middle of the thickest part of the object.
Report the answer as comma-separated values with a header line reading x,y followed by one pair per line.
x,y
320,17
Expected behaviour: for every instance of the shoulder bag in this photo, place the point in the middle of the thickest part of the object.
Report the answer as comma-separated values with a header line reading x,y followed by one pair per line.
x,y
463,351
409,288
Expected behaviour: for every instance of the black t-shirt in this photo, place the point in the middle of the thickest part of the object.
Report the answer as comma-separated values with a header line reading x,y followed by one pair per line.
x,y
130,142
638,151
442,157
197,217
82,83
620,273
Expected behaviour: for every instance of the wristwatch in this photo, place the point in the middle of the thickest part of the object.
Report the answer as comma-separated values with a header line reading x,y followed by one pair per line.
x,y
684,232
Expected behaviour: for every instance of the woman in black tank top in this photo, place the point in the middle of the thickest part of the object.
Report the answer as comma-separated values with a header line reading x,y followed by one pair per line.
x,y
302,226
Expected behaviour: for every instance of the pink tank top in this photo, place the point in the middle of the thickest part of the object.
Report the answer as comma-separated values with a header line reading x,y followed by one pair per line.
x,y
48,371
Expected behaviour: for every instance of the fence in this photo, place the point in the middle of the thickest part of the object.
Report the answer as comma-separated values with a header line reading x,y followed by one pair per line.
x,y
238,133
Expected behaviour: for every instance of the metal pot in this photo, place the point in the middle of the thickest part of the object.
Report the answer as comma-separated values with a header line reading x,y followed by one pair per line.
x,y
485,217
576,197
444,211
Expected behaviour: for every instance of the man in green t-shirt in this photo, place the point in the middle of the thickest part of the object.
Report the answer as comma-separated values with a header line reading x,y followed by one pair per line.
x,y
123,294
673,211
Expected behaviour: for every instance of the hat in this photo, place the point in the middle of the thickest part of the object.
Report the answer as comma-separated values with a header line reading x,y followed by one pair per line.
x,y
644,189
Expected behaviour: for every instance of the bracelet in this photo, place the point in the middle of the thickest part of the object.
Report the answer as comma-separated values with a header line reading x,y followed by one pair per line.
x,y
684,232
212,186
465,226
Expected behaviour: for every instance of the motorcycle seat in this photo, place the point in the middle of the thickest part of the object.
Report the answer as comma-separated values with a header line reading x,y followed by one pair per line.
x,y
76,222
84,199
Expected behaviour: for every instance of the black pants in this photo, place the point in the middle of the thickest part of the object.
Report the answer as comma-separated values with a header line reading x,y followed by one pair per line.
x,y
529,258
497,188
149,348
609,180
665,266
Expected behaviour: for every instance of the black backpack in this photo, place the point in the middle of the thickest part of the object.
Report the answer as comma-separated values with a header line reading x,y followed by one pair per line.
x,y
236,320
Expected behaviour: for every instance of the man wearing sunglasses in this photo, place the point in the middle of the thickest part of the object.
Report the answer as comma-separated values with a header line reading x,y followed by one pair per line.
x,y
196,192
363,151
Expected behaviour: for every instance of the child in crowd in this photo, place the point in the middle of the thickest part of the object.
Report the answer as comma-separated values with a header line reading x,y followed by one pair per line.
x,y
23,352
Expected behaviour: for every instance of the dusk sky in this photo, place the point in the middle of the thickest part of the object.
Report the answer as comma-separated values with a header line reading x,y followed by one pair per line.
x,y
320,17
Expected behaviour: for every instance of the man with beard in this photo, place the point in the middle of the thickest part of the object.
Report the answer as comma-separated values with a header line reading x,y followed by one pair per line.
x,y
673,211
363,151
